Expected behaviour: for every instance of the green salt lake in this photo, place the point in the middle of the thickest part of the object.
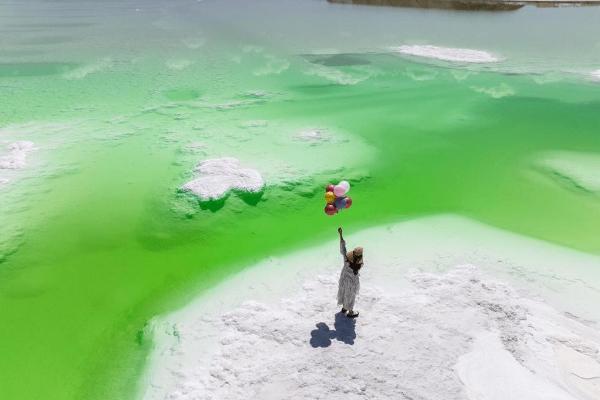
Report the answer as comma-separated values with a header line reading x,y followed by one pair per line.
x,y
121,99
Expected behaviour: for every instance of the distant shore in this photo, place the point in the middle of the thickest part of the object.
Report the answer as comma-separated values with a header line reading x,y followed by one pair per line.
x,y
473,5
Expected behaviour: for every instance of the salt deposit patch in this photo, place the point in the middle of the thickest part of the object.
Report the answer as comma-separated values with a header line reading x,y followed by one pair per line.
x,y
194,42
51,134
421,74
196,146
293,158
85,70
580,371
217,177
447,53
312,136
490,372
496,92
274,66
341,77
178,64
16,158
256,123
256,94
581,170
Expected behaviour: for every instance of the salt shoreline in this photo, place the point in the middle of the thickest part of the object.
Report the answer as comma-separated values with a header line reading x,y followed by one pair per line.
x,y
449,54
576,170
214,346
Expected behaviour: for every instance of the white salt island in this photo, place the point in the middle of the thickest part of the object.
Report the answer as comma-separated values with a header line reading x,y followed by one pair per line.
x,y
450,309
217,177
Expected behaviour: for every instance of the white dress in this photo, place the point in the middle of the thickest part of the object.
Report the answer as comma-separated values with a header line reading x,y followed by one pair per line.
x,y
349,284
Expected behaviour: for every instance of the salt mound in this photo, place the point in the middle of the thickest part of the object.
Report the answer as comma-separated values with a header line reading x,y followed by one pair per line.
x,y
17,155
216,177
580,169
297,349
447,53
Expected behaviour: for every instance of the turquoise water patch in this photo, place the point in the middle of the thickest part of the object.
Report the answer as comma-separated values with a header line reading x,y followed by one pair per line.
x,y
181,94
338,60
8,70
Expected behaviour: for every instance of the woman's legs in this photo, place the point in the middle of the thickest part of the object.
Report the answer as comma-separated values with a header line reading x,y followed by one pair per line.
x,y
349,302
349,305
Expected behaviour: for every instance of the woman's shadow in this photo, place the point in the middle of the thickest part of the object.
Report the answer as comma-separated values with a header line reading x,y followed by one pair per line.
x,y
345,331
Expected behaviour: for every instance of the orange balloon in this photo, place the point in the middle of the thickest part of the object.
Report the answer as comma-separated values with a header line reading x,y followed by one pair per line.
x,y
329,197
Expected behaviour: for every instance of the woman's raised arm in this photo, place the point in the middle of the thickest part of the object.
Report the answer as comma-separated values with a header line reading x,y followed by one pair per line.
x,y
342,244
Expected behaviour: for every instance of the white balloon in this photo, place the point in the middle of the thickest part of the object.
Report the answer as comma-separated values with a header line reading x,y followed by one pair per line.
x,y
345,185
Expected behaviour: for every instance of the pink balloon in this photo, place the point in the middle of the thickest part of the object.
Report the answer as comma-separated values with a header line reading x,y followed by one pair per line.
x,y
339,191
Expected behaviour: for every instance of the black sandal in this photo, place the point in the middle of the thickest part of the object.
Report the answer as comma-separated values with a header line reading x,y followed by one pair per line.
x,y
352,314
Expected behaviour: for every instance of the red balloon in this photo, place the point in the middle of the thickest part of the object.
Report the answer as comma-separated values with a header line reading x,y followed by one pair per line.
x,y
329,188
330,209
348,202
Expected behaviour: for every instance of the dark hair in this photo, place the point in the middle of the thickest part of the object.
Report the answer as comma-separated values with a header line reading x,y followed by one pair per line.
x,y
355,266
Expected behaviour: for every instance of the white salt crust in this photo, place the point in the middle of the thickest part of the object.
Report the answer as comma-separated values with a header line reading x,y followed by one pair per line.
x,y
217,177
16,156
581,169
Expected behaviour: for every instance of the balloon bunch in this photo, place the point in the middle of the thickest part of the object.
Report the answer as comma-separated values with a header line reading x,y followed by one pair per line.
x,y
335,196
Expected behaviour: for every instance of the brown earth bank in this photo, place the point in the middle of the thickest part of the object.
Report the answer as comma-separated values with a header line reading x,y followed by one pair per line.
x,y
469,5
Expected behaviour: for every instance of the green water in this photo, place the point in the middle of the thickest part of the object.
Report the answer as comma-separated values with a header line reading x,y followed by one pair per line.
x,y
95,237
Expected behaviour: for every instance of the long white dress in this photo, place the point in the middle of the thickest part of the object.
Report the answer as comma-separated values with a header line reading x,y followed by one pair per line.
x,y
349,284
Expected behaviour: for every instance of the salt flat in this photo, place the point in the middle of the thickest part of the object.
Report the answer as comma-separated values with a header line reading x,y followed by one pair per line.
x,y
450,309
578,170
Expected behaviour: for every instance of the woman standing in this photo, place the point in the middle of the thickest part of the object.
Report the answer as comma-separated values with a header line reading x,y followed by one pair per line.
x,y
349,284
